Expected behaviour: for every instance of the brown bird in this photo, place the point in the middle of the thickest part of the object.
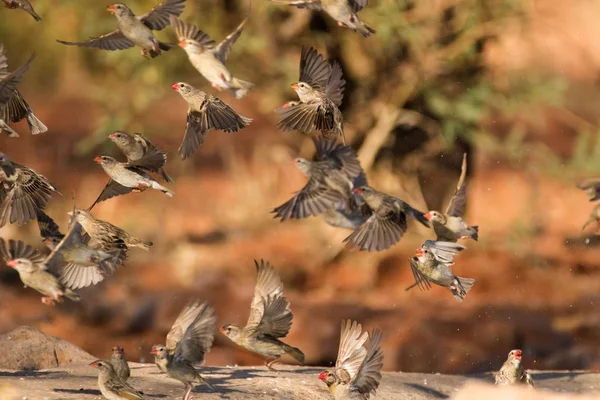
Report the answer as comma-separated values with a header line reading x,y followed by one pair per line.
x,y
594,218
205,112
357,370
130,177
136,30
209,58
111,387
136,147
512,371
270,319
24,5
386,226
343,11
188,341
107,234
119,363
8,87
329,185
17,108
449,226
591,187
41,273
23,192
320,90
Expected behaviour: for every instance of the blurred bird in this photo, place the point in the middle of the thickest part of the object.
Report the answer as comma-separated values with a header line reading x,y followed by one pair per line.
x,y
111,387
449,226
37,271
17,108
386,226
270,319
329,185
8,87
431,264
343,11
23,192
81,265
591,187
352,217
136,30
130,177
205,112
106,233
209,58
512,371
136,147
594,218
24,5
119,363
357,370
188,341
320,90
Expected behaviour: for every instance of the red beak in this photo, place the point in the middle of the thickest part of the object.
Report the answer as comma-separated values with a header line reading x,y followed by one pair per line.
x,y
94,364
356,190
419,253
323,376
183,43
98,159
112,136
12,263
295,86
111,9
518,355
154,351
223,331
175,86
428,215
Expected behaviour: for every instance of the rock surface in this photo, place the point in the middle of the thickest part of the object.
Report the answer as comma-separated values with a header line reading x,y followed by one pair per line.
x,y
31,349
78,381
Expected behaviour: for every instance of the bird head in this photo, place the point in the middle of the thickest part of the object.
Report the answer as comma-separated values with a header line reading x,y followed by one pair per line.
x,y
328,377
22,265
435,216
182,87
119,137
79,214
515,356
104,160
231,331
51,241
102,366
419,253
118,350
119,10
159,351
302,88
302,164
362,190
191,46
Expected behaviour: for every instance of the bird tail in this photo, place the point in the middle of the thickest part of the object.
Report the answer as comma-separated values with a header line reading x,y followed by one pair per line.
x,y
460,287
165,176
4,126
294,352
419,216
240,88
135,242
158,186
35,125
475,234
364,29
164,46
72,295
201,381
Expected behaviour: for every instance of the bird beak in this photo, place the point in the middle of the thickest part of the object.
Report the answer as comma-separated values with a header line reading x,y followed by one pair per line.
x,y
12,263
98,159
94,364
111,9
223,331
419,253
70,213
154,351
428,215
323,376
295,86
356,190
183,43
175,86
518,355
112,136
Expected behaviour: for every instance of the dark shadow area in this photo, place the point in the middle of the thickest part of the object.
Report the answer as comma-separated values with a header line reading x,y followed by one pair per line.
x,y
93,392
431,392
36,374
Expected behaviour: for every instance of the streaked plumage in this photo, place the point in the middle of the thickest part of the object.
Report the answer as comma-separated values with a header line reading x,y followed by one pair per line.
x,y
111,387
512,371
591,187
13,107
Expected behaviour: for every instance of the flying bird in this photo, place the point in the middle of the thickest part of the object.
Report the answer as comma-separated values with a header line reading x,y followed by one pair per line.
x,y
8,91
591,187
357,372
205,112
270,319
209,58
136,30
512,371
320,90
24,5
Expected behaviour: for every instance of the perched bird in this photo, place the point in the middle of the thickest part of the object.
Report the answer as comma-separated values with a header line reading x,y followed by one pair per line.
x,y
270,319
512,371
386,226
189,339
320,90
23,192
8,87
119,363
81,264
205,112
449,226
343,11
329,185
36,271
209,58
591,187
17,108
137,146
24,5
431,264
136,30
107,234
111,387
130,177
357,370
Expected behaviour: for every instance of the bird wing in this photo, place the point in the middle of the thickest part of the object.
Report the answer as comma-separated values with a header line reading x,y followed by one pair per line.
x,y
9,82
314,69
54,261
195,132
219,115
314,198
444,252
158,18
368,377
3,60
17,249
458,203
152,160
382,230
48,228
112,189
184,30
114,40
351,352
342,156
335,85
183,321
268,284
357,5
420,279
124,390
299,117
15,109
198,337
144,142
276,319
224,48
309,4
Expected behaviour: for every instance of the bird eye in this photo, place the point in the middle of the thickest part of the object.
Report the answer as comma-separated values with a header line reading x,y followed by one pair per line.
x,y
181,85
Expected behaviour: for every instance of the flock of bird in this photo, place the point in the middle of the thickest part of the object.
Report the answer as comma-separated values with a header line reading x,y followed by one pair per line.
x,y
337,190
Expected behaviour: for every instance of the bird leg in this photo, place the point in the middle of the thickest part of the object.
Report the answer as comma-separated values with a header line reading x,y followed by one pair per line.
x,y
140,187
188,390
48,301
270,363
145,53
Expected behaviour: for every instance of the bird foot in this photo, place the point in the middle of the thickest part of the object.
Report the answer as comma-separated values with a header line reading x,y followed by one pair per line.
x,y
48,301
140,187
342,24
145,53
270,364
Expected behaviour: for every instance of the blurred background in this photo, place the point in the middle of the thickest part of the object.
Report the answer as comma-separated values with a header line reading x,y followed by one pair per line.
x,y
514,83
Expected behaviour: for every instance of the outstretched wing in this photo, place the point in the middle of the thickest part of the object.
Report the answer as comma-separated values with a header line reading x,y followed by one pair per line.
x,y
340,155
268,285
198,336
158,18
114,40
184,30
313,199
314,69
335,85
14,249
420,279
351,352
382,230
224,48
112,189
443,251
9,82
458,203
183,321
369,375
